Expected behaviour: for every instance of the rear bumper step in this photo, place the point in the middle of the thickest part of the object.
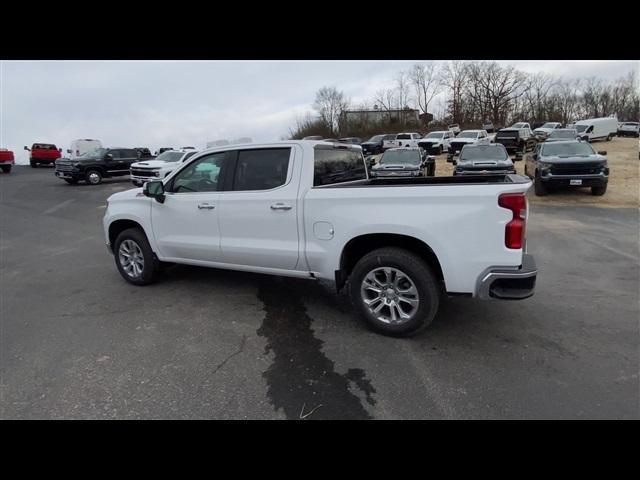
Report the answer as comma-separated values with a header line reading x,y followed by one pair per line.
x,y
507,283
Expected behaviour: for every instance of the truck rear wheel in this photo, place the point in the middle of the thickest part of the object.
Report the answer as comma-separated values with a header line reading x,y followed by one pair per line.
x,y
134,258
6,168
395,291
33,164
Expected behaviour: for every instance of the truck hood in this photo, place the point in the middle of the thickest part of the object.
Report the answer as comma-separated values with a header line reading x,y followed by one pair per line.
x,y
396,166
126,195
543,130
151,164
576,159
464,140
486,163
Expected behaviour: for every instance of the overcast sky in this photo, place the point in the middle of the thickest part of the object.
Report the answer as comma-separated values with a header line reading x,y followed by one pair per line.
x,y
186,103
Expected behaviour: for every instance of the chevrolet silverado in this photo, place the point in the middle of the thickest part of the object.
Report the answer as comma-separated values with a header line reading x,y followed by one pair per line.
x,y
309,209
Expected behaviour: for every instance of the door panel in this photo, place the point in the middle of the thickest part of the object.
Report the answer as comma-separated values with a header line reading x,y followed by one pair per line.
x,y
259,227
186,225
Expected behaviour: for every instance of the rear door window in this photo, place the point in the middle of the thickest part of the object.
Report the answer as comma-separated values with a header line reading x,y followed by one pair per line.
x,y
261,169
337,166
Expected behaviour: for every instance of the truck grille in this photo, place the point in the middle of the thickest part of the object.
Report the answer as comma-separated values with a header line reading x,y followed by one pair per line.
x,y
140,172
576,169
63,167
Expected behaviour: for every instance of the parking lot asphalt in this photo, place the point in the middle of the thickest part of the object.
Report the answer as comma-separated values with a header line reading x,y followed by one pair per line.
x,y
77,341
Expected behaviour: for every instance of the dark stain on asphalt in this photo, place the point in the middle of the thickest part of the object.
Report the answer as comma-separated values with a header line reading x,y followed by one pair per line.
x,y
302,381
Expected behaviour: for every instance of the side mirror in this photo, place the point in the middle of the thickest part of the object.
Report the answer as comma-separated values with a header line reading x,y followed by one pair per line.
x,y
455,162
68,150
108,156
602,152
27,148
154,189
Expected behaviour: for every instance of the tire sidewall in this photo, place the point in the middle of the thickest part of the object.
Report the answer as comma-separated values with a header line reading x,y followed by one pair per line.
x,y
420,274
150,262
96,172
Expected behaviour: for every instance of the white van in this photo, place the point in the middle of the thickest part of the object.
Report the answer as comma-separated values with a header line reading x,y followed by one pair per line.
x,y
82,146
597,128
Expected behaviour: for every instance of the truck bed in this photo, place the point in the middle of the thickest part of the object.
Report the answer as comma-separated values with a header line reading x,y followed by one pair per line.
x,y
425,181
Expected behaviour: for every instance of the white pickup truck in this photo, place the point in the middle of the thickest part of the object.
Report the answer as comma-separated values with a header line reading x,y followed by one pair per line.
x,y
308,209
404,140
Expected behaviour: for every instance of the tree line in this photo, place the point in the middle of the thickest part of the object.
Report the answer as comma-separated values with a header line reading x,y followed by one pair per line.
x,y
475,92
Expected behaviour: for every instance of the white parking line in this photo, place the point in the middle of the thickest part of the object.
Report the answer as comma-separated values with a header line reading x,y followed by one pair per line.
x,y
59,206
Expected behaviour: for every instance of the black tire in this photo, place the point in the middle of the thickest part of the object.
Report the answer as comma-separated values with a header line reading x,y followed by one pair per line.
x,y
440,150
151,264
432,170
609,137
6,168
71,181
539,187
599,191
93,177
33,164
413,267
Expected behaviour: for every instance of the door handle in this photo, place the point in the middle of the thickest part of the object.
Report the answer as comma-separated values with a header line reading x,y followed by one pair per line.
x,y
206,206
280,206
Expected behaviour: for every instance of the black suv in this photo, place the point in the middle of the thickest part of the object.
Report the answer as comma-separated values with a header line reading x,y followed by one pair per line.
x,y
97,164
570,163
492,159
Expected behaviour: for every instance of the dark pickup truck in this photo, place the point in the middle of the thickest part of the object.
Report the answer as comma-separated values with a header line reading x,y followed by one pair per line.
x,y
491,159
516,139
568,163
96,165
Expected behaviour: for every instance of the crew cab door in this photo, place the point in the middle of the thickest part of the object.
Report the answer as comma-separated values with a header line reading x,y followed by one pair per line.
x,y
185,226
115,161
259,209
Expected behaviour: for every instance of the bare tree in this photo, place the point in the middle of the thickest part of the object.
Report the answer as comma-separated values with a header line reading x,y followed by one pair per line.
x,y
454,75
385,98
330,103
426,82
402,89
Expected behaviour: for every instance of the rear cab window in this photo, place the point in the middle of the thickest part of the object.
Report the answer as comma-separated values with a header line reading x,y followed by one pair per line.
x,y
334,165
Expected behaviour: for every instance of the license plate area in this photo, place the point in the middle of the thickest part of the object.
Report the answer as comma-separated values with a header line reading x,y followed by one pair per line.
x,y
575,182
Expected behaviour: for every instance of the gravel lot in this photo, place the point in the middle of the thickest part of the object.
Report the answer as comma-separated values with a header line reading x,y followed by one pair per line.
x,y
76,341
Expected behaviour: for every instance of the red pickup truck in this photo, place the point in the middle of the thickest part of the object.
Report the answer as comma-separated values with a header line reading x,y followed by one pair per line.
x,y
43,153
6,160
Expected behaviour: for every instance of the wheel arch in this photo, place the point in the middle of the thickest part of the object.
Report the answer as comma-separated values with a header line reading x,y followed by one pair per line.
x,y
118,226
359,246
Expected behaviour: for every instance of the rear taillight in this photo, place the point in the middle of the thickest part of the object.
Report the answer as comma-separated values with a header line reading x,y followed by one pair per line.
x,y
515,229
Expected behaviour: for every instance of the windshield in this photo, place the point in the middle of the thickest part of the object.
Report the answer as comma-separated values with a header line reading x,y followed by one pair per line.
x,y
169,156
405,157
581,128
563,134
96,152
403,136
435,135
631,124
577,149
484,152
549,125
468,135
519,125
376,138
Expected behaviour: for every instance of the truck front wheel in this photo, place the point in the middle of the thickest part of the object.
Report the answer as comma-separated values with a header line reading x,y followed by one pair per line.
x,y
395,291
6,168
539,187
93,177
599,191
134,258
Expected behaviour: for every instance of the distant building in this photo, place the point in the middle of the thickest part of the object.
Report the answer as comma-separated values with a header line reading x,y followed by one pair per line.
x,y
407,116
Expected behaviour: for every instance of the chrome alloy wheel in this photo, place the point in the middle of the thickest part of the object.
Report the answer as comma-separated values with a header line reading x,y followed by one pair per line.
x,y
390,295
131,258
94,178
